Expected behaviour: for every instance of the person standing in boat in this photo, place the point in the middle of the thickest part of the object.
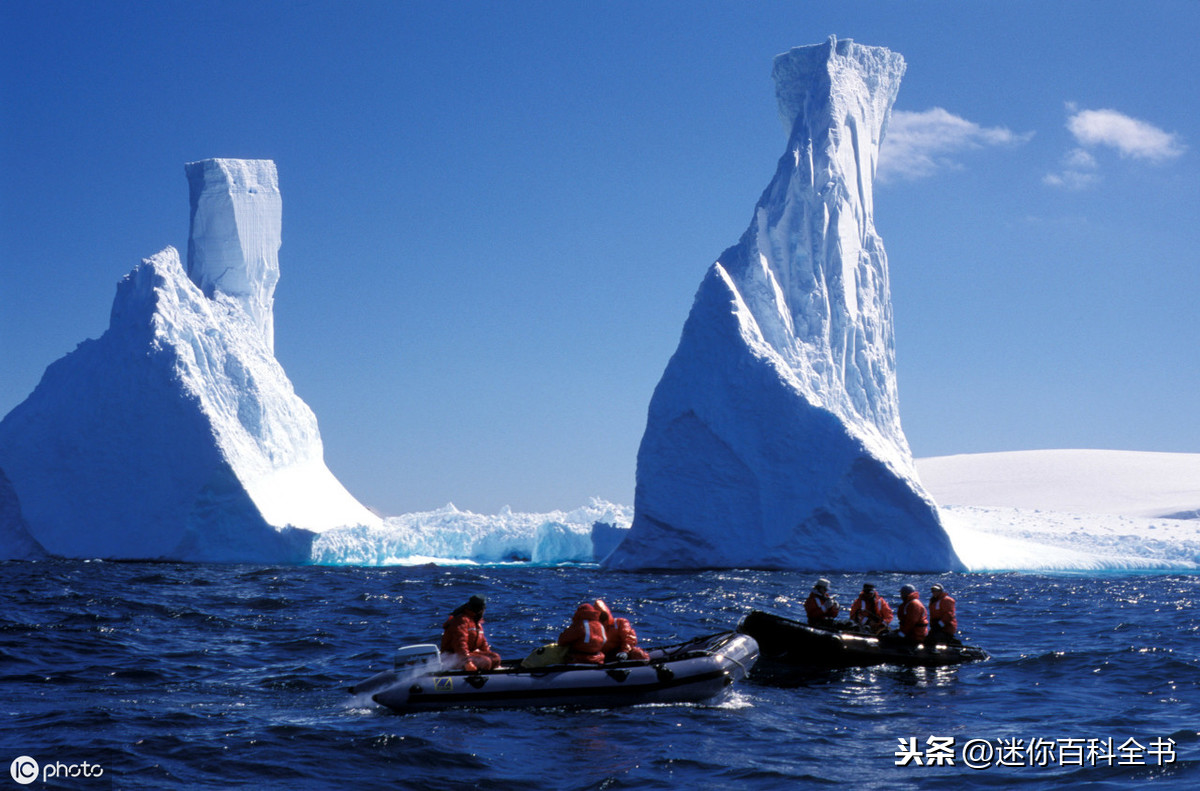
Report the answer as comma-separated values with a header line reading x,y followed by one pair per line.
x,y
585,637
464,644
871,611
914,620
620,640
820,607
943,623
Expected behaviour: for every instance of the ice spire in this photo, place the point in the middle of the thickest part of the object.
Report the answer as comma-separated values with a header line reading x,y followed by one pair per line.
x,y
233,245
773,438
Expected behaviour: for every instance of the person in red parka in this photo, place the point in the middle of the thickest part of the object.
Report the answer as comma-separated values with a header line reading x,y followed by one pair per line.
x,y
585,637
870,610
914,621
620,640
943,623
820,607
464,644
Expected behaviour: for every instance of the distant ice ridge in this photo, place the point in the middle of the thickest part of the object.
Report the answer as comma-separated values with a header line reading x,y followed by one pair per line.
x,y
177,434
773,438
986,539
451,536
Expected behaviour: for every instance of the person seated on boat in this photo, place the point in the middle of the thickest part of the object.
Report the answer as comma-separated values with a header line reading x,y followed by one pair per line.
x,y
620,640
914,621
943,624
464,645
871,611
820,607
585,637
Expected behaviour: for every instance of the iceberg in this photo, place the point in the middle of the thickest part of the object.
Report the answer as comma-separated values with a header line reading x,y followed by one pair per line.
x,y
176,434
773,439
449,536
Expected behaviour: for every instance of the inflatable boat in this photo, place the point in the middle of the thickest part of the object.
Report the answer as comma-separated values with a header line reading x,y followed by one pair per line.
x,y
789,643
684,673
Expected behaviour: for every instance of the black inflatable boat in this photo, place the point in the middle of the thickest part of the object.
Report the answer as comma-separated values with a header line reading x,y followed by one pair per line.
x,y
785,642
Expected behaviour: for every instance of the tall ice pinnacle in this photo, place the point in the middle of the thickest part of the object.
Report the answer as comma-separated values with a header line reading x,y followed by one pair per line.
x,y
773,439
233,245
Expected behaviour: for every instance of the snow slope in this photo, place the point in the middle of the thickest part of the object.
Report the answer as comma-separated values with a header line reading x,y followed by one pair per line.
x,y
773,439
1070,510
177,434
1129,483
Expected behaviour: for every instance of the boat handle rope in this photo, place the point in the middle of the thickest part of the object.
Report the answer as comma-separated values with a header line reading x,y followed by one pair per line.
x,y
731,659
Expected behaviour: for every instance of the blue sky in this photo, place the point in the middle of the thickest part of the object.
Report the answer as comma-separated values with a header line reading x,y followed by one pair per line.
x,y
496,215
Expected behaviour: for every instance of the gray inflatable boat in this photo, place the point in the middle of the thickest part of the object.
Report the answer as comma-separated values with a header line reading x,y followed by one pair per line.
x,y
694,671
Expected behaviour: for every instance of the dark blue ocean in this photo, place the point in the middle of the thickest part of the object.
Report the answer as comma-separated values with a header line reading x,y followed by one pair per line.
x,y
192,676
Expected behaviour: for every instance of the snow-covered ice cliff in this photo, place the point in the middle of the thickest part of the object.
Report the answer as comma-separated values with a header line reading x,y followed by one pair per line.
x,y
1121,482
177,434
1070,510
773,439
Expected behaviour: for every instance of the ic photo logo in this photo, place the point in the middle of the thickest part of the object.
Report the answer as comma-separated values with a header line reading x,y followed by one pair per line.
x,y
24,770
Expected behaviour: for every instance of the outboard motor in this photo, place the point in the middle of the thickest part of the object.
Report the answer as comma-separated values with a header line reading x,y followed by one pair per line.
x,y
410,661
424,658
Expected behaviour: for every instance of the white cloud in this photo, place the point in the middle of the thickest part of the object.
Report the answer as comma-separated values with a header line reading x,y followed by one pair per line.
x,y
1130,136
1094,129
1078,172
1080,159
1071,179
919,144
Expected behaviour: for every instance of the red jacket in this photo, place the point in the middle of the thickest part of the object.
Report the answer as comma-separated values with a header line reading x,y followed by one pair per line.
x,y
621,638
462,635
879,608
941,614
914,622
585,636
820,608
